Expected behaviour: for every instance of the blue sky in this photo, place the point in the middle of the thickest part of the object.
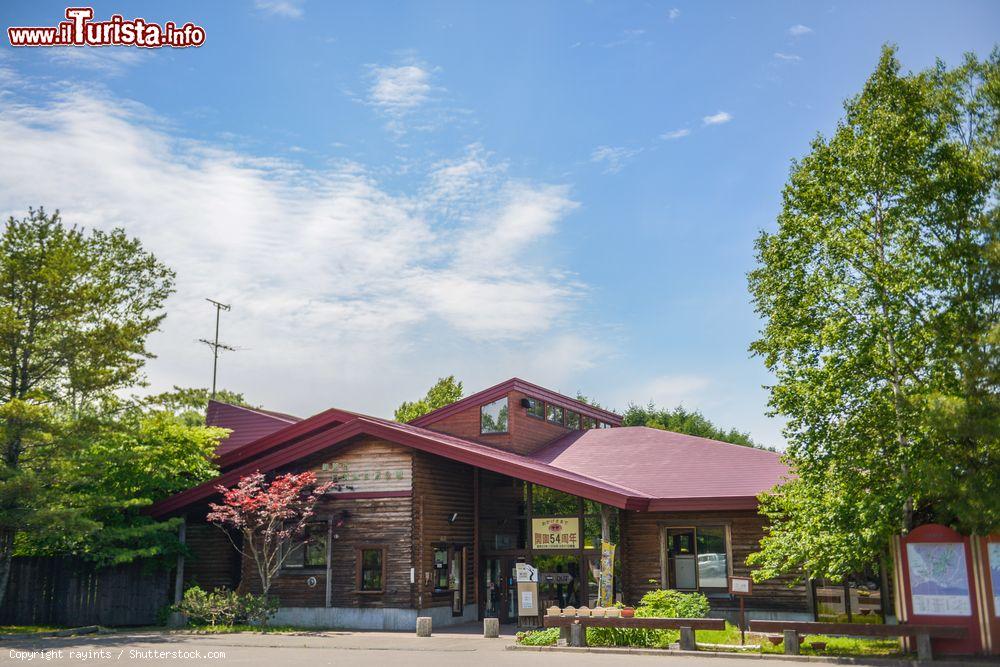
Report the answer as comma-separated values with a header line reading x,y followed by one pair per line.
x,y
389,192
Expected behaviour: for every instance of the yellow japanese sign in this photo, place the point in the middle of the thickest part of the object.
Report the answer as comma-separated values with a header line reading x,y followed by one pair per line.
x,y
555,533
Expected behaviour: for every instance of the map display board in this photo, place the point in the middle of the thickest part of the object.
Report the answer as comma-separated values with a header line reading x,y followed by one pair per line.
x,y
939,580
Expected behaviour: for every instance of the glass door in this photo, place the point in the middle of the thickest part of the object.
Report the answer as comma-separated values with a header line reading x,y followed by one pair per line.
x,y
499,589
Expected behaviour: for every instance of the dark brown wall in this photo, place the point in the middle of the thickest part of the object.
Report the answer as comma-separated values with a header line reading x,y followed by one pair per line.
x,y
526,434
442,487
213,562
379,522
641,553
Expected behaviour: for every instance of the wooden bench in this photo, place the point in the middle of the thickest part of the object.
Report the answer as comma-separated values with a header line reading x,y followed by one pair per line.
x,y
792,630
574,628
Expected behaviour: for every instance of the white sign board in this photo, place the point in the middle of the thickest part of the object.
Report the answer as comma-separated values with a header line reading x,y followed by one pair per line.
x,y
527,600
739,585
939,581
524,572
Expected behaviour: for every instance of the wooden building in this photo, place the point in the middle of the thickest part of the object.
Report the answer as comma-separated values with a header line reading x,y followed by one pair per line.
x,y
430,518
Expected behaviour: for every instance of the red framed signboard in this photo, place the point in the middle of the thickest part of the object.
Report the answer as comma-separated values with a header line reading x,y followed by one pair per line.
x,y
937,574
989,587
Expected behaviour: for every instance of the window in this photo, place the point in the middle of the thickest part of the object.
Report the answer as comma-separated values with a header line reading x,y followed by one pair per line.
x,y
493,417
553,414
697,558
535,408
588,422
572,419
371,569
603,425
310,550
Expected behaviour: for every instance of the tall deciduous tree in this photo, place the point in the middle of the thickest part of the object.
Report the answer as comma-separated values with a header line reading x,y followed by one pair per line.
x,y
879,295
76,309
445,391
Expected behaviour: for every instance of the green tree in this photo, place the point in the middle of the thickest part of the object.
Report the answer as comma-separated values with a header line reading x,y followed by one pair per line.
x,y
879,296
445,391
76,309
682,420
119,463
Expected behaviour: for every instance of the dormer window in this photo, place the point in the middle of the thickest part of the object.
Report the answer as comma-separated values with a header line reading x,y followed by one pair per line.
x,y
553,414
572,420
493,417
535,408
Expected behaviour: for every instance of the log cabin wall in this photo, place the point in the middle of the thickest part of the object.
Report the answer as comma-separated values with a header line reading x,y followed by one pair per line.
x,y
642,557
372,507
441,488
214,562
525,434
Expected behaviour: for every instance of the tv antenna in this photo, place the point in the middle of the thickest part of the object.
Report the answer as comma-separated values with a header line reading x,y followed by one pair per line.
x,y
215,344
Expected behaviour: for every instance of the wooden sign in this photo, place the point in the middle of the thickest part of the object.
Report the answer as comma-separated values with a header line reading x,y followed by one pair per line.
x,y
555,533
371,467
741,585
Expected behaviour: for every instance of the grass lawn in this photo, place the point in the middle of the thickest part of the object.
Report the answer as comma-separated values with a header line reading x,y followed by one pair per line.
x,y
847,646
26,629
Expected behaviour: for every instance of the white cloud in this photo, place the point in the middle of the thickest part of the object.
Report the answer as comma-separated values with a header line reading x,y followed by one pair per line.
x,y
336,282
798,30
717,118
399,89
676,134
674,14
106,59
627,37
287,8
614,158
789,57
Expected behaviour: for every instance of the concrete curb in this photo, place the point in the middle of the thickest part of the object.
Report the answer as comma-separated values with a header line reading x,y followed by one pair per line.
x,y
835,660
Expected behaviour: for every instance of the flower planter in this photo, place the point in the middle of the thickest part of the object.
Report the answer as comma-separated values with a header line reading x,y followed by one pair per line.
x,y
775,639
628,612
818,646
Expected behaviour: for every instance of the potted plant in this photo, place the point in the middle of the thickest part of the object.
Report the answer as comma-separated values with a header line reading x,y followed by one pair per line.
x,y
628,612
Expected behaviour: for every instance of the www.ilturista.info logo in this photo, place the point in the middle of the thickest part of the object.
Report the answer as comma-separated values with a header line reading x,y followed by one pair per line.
x,y
81,30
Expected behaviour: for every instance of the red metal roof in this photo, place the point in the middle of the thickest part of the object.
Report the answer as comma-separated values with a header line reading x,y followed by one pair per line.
x,y
246,424
456,449
676,471
533,390
635,468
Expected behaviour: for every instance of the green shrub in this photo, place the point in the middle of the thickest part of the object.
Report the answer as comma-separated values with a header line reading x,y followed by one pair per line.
x,y
672,604
546,637
225,607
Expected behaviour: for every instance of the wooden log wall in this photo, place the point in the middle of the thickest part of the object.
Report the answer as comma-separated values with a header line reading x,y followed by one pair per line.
x,y
442,487
642,557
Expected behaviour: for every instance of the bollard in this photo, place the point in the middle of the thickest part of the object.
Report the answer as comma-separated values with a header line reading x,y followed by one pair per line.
x,y
577,635
687,640
491,628
563,636
791,642
423,626
924,650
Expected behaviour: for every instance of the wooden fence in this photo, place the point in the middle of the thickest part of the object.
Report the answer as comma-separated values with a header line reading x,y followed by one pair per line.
x,y
70,592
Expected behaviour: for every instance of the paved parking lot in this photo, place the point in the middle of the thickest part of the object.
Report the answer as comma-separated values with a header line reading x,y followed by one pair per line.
x,y
382,649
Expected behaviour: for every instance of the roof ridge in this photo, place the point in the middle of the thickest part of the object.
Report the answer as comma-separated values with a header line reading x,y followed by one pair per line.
x,y
283,416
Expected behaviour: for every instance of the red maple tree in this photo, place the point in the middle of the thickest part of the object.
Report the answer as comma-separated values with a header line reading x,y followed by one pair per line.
x,y
269,517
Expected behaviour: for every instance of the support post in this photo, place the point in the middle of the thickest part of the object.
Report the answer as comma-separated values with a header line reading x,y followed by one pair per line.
x,y
791,642
924,650
563,636
577,635
688,642
177,619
